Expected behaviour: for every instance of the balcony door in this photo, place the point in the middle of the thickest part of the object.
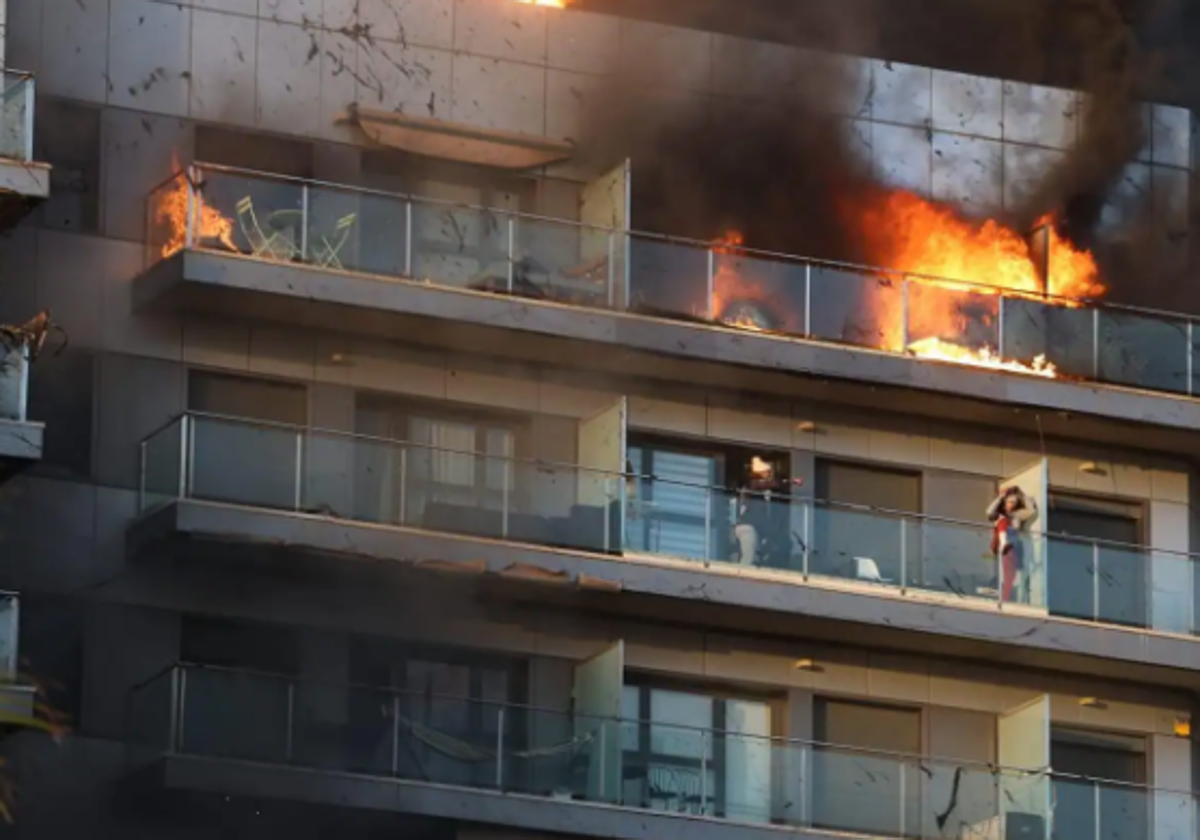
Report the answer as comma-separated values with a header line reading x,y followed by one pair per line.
x,y
1105,581
671,509
859,784
857,528
233,459
698,753
444,471
1116,807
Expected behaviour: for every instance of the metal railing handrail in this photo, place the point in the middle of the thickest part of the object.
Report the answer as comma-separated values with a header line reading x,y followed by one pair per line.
x,y
624,476
782,740
777,256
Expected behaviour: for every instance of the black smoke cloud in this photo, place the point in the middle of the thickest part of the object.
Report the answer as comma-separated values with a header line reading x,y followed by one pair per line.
x,y
779,173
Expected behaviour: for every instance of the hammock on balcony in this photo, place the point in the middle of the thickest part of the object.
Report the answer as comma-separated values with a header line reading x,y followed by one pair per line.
x,y
463,751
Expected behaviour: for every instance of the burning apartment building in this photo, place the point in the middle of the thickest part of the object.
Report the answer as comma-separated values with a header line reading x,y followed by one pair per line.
x,y
492,419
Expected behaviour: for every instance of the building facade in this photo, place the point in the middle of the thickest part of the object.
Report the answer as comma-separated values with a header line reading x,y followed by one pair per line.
x,y
394,479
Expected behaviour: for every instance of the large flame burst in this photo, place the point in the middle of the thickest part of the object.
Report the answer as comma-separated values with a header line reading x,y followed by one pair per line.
x,y
942,279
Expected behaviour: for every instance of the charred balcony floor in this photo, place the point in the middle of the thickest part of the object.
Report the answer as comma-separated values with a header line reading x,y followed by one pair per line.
x,y
650,309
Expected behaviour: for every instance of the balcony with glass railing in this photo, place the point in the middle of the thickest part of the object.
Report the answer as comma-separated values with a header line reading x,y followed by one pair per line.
x,y
17,695
359,478
19,173
392,236
653,767
20,438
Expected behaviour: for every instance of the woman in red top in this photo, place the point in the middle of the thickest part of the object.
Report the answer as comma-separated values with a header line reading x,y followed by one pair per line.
x,y
1011,512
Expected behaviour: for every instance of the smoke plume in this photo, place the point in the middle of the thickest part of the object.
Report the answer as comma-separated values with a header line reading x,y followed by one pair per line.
x,y
781,173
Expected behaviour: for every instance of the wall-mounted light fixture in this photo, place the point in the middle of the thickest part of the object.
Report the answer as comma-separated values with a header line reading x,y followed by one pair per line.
x,y
1092,703
806,426
1183,727
1092,468
807,665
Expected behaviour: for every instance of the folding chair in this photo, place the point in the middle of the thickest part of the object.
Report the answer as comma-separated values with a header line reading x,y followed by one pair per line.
x,y
269,245
325,252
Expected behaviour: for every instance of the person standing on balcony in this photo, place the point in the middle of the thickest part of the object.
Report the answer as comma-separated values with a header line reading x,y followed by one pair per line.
x,y
762,515
1011,513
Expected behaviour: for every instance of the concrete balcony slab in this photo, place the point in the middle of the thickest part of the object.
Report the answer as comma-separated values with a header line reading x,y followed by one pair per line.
x,y
665,350
714,594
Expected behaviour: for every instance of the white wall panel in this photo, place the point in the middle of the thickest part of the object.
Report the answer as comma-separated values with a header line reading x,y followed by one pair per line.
x,y
502,95
237,7
585,42
288,78
903,94
291,11
149,56
73,58
967,104
1171,141
1038,115
339,84
903,156
339,14
968,172
567,99
668,56
422,23
1024,167
512,31
224,55
408,80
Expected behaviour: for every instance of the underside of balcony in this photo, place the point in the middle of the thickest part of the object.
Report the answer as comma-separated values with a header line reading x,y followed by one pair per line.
x,y
188,547
667,351
482,807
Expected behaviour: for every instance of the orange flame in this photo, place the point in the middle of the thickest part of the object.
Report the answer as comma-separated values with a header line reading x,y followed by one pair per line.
x,y
171,214
729,286
916,236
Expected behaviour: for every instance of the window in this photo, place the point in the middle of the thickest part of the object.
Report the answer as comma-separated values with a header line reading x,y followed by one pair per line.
x,y
695,752
674,511
1097,581
460,463
1107,808
857,784
458,457
448,700
236,461
864,544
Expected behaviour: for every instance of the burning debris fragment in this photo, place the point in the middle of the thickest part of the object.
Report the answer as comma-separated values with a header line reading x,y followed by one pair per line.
x,y
31,336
